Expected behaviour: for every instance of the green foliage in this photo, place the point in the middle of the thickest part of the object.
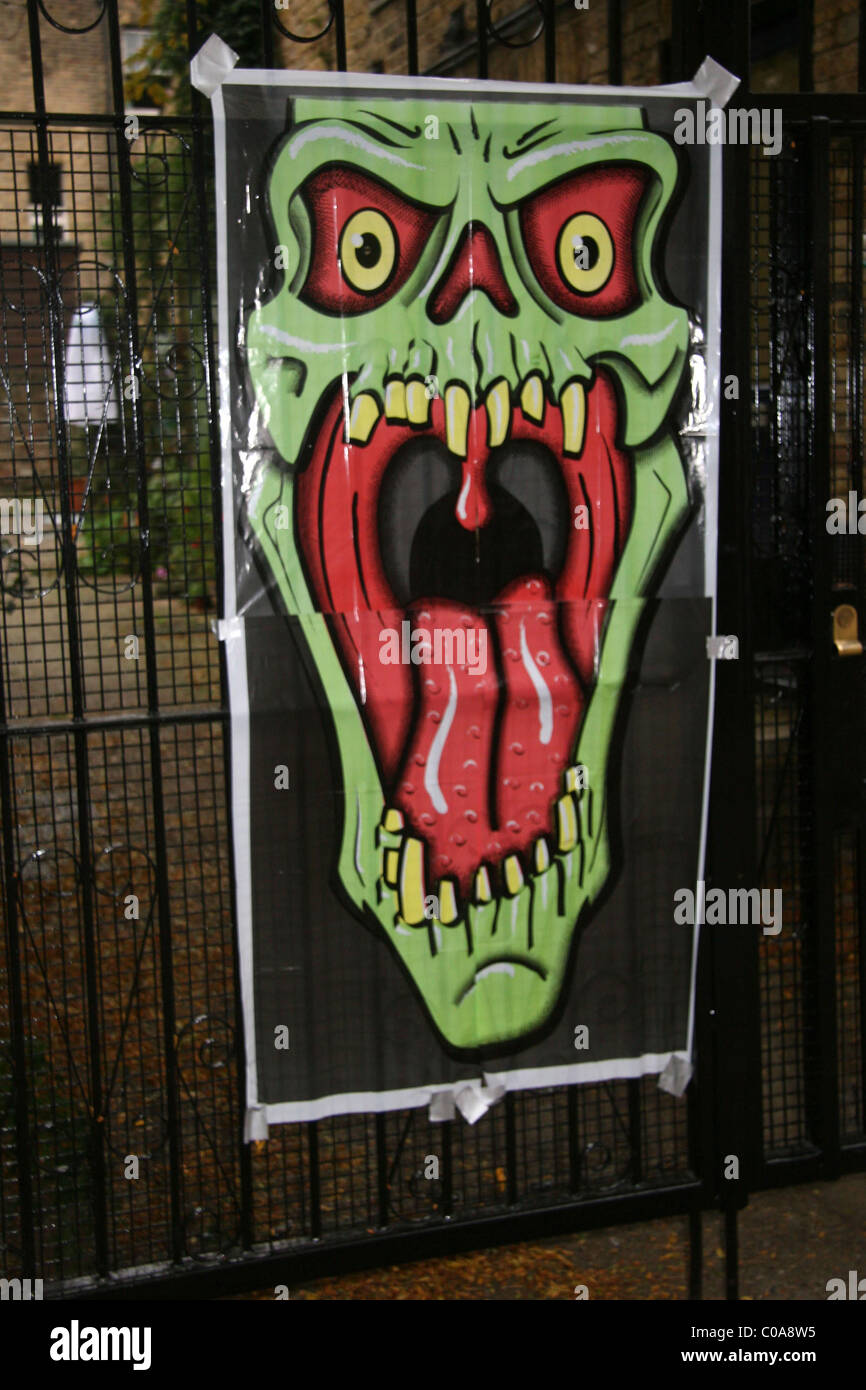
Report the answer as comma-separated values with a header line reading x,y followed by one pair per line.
x,y
178,492
166,55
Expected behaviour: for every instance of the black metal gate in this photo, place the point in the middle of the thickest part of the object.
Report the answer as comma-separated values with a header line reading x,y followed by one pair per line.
x,y
119,1008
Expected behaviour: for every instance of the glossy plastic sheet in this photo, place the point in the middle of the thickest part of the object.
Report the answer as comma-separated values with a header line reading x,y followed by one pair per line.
x,y
469,395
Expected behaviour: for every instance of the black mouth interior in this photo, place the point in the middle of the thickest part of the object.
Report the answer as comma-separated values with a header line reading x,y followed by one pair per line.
x,y
426,552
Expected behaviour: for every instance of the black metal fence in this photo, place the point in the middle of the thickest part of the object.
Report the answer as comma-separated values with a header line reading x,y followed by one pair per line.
x,y
119,1033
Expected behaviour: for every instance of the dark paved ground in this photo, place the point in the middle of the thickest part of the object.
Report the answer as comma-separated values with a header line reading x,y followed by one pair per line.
x,y
792,1240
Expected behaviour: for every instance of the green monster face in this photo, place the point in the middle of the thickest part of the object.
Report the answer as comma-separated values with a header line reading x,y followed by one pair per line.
x,y
467,368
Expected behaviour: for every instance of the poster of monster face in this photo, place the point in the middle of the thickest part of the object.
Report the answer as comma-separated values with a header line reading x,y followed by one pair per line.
x,y
469,396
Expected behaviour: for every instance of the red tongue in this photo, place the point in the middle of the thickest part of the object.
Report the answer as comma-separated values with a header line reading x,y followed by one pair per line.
x,y
475,798
498,765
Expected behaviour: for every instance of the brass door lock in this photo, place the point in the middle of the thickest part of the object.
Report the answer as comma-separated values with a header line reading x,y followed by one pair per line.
x,y
845,638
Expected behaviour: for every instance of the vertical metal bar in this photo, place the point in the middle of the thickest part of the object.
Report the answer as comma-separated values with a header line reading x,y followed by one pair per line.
x,y
696,1255
822,1060
447,1174
166,959
550,40
200,114
481,30
17,1021
806,31
614,42
412,37
268,33
634,1131
315,1182
735,1075
510,1148
573,1140
858,366
728,1014
732,1256
382,1170
342,61
860,869
76,674
858,154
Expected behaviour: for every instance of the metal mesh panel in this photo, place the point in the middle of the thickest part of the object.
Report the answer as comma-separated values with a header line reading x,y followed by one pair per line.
x,y
848,274
119,868
119,1031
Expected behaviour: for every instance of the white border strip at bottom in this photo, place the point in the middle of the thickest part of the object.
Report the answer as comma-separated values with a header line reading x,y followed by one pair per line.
x,y
378,1102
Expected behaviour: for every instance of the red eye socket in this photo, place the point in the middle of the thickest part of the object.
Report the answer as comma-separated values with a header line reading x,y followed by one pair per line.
x,y
579,236
366,240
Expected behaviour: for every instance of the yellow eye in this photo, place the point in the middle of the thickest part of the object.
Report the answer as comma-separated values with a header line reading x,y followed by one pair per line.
x,y
585,253
368,251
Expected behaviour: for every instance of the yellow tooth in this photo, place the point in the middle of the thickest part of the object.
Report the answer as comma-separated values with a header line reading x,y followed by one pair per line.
x,y
365,413
457,419
532,397
482,886
395,400
392,867
392,819
417,403
566,823
498,414
411,881
541,856
513,875
447,902
576,778
573,405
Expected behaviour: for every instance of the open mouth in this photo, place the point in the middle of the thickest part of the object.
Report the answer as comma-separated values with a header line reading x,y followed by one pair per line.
x,y
464,555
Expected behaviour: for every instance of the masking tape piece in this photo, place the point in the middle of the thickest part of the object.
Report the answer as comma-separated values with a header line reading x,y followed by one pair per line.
x,y
473,1100
715,82
211,65
255,1124
676,1075
441,1107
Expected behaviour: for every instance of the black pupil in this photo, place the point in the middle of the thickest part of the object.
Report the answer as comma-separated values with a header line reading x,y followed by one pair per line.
x,y
586,253
369,252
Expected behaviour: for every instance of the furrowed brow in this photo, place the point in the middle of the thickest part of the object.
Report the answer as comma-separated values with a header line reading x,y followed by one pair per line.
x,y
535,134
369,144
530,158
410,132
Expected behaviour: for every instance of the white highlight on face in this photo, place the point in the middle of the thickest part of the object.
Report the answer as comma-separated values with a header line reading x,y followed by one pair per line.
x,y
499,967
271,331
648,339
431,771
358,868
545,703
597,142
347,137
